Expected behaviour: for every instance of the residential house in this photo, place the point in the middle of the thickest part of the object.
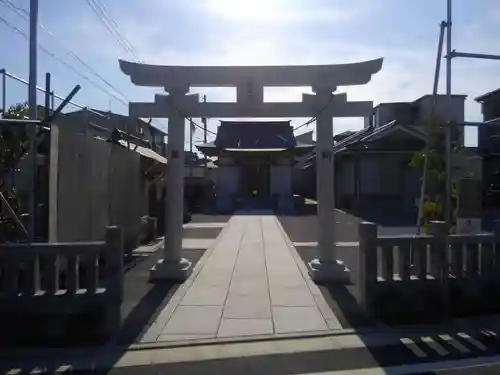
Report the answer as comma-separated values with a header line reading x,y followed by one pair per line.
x,y
372,172
489,147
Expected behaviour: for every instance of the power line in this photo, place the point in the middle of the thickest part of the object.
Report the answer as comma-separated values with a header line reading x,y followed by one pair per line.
x,y
15,7
51,54
116,27
104,17
24,13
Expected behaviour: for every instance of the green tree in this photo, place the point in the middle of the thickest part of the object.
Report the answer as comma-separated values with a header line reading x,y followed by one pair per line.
x,y
14,146
434,205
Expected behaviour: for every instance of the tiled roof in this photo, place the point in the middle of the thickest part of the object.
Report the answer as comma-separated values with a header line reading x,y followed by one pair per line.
x,y
368,134
487,95
255,135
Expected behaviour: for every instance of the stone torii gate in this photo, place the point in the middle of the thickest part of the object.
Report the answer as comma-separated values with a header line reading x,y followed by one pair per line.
x,y
250,82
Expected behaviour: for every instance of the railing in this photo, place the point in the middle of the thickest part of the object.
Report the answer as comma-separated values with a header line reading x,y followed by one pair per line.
x,y
427,272
35,274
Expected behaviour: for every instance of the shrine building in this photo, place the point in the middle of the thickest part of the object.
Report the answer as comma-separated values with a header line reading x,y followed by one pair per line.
x,y
255,161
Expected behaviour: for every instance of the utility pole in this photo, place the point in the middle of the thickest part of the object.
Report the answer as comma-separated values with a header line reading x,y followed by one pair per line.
x,y
204,120
32,130
448,204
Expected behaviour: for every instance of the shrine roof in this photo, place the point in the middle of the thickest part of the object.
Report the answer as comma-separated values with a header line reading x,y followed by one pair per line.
x,y
254,136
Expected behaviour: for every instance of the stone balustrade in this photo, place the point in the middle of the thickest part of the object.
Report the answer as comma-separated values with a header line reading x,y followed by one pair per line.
x,y
43,280
419,276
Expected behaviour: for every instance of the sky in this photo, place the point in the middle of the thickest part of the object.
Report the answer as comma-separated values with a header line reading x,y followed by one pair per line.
x,y
256,32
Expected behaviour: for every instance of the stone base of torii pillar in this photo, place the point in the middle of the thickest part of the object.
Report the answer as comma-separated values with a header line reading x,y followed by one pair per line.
x,y
170,270
334,271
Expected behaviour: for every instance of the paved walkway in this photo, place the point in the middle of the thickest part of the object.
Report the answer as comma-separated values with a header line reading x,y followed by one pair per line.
x,y
252,282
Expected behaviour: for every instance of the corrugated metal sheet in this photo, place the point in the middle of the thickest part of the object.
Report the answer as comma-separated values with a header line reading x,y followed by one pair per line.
x,y
144,151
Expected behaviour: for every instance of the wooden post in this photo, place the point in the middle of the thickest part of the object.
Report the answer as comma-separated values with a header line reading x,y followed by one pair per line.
x,y
367,263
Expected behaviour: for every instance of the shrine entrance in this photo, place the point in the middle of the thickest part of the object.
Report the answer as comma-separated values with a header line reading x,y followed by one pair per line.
x,y
254,179
321,106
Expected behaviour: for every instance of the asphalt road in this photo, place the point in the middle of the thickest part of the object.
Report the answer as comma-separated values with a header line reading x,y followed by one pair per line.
x,y
396,359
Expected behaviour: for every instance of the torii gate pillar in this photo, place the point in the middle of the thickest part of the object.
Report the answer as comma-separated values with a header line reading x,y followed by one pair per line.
x,y
173,266
325,267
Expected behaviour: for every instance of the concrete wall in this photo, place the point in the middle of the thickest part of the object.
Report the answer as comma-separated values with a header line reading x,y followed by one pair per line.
x,y
453,112
305,137
99,184
448,112
387,112
419,111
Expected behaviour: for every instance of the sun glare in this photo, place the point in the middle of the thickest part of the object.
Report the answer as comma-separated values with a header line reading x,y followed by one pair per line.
x,y
241,10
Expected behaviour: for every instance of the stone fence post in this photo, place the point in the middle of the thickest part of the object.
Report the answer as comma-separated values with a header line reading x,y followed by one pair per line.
x,y
439,250
439,261
114,256
367,264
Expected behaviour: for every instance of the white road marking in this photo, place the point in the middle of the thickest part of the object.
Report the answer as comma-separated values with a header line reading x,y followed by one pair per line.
x,y
415,349
456,344
488,333
473,341
438,348
419,368
63,369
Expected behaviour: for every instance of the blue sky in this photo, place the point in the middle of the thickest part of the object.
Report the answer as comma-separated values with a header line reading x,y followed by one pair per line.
x,y
227,32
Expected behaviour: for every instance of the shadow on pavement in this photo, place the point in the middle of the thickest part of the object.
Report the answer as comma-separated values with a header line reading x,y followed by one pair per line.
x,y
342,299
143,300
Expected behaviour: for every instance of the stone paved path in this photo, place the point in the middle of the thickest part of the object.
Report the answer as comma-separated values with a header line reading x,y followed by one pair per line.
x,y
251,282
